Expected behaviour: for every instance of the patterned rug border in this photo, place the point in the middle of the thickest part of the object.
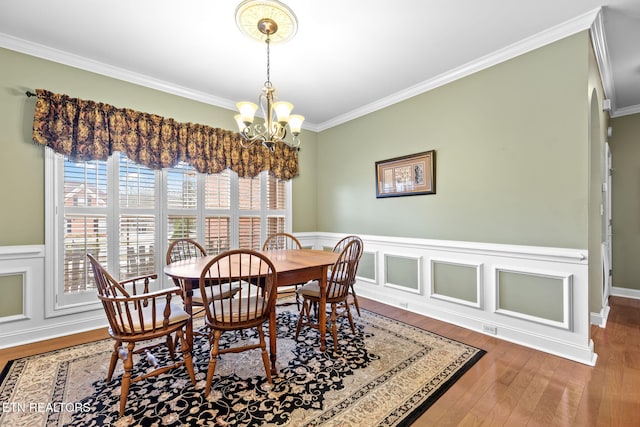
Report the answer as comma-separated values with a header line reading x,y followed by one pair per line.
x,y
412,416
406,419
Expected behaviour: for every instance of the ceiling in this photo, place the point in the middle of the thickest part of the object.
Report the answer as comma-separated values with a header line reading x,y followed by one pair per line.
x,y
347,59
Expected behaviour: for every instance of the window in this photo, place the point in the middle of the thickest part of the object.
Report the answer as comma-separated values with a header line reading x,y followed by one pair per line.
x,y
86,225
126,214
137,219
217,200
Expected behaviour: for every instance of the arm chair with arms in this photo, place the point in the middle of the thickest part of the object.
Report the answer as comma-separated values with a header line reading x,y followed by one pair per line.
x,y
282,241
338,248
136,315
341,275
250,308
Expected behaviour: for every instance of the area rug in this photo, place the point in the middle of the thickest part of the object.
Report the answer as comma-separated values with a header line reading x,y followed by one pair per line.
x,y
387,374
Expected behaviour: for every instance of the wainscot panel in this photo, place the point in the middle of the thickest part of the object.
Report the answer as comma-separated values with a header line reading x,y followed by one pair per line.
x,y
565,331
31,325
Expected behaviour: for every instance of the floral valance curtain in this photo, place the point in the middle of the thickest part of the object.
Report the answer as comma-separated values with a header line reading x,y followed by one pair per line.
x,y
89,130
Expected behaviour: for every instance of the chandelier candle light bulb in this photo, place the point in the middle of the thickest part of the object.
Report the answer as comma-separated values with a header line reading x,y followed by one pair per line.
x,y
247,112
283,110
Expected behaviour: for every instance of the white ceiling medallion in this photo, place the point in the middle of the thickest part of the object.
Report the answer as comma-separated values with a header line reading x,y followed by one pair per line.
x,y
249,13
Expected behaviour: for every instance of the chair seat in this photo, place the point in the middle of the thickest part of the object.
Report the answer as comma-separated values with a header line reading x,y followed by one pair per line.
x,y
177,315
216,292
238,309
311,289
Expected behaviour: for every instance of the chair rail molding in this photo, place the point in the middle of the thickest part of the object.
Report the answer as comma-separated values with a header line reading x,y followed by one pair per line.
x,y
569,338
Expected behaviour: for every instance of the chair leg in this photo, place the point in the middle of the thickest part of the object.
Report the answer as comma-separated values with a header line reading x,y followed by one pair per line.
x,y
114,359
297,298
212,362
175,341
186,355
126,378
355,300
334,325
265,355
353,326
171,345
305,309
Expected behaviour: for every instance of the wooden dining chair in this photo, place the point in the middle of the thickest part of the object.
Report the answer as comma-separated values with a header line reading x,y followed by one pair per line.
x,y
281,241
183,249
338,248
337,290
250,308
137,315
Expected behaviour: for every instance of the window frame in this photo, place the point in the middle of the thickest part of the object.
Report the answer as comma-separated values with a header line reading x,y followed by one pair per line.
x,y
59,304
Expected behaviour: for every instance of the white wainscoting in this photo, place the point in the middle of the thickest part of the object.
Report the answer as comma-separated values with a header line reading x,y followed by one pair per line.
x,y
571,340
32,325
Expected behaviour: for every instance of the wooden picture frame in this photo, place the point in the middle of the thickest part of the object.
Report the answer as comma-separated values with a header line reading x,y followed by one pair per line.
x,y
410,175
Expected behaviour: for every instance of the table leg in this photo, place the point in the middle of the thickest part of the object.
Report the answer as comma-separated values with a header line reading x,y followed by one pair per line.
x,y
188,307
322,308
272,340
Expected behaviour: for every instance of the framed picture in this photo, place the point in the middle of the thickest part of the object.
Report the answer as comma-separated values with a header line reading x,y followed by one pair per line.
x,y
407,175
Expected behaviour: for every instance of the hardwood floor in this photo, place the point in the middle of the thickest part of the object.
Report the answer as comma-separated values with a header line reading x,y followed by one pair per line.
x,y
516,386
512,385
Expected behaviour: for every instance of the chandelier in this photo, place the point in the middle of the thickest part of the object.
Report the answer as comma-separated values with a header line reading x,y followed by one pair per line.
x,y
261,19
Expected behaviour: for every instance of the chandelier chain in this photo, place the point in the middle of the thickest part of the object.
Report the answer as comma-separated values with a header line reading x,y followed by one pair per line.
x,y
268,61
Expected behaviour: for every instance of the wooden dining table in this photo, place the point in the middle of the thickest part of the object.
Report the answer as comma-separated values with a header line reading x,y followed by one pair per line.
x,y
293,266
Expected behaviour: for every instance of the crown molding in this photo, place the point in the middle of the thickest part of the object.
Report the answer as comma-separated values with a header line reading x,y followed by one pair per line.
x,y
626,111
66,58
599,41
591,20
553,34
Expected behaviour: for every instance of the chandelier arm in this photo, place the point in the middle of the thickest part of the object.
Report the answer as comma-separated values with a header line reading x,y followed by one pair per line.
x,y
295,143
250,139
280,132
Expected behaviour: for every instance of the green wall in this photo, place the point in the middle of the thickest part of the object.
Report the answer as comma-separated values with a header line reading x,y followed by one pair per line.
x,y
455,281
625,151
22,178
12,302
534,295
511,164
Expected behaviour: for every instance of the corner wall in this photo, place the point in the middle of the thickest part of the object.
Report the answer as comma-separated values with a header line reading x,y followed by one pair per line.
x,y
625,150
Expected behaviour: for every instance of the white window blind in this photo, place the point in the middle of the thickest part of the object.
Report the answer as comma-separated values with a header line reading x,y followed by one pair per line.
x,y
276,205
217,200
137,215
249,224
85,219
125,215
182,202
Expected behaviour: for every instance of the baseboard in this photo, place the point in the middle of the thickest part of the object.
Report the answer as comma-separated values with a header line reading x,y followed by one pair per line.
x,y
625,292
59,329
521,336
600,319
